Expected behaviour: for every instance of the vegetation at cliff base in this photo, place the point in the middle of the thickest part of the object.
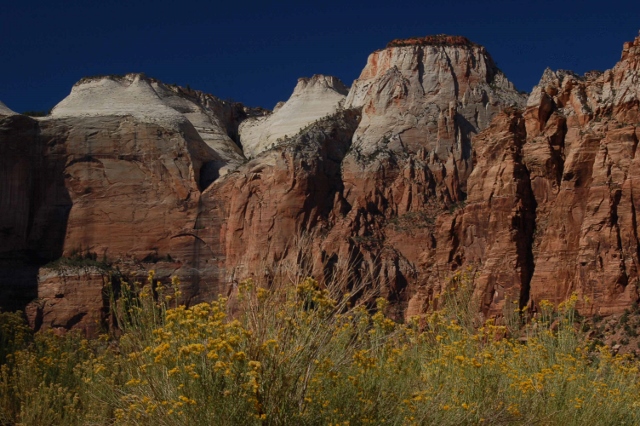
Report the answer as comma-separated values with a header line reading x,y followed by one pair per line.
x,y
305,355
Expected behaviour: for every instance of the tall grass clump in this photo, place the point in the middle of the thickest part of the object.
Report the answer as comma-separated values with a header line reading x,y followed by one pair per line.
x,y
297,352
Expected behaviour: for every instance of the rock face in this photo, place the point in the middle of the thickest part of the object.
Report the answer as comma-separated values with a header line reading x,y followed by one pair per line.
x,y
71,298
432,163
313,98
246,219
583,136
430,94
552,206
33,208
150,101
122,180
422,102
492,234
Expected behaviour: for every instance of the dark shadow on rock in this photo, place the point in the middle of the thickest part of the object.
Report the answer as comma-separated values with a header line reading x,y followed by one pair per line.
x,y
34,205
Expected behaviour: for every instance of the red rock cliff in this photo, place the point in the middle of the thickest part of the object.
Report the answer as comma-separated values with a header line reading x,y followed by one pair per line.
x,y
436,163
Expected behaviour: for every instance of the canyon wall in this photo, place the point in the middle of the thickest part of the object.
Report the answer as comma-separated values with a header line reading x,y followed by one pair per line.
x,y
431,163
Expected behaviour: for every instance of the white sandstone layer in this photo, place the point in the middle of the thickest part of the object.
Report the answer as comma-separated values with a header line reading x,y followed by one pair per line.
x,y
427,96
312,98
150,101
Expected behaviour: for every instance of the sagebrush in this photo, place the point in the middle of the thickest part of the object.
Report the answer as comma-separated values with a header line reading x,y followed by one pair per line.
x,y
305,355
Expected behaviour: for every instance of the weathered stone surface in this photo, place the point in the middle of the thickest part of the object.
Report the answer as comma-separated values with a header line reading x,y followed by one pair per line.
x,y
430,96
435,164
313,98
168,106
422,102
586,239
117,185
71,298
248,219
503,188
577,153
132,185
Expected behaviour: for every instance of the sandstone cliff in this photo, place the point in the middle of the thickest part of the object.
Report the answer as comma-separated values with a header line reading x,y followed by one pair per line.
x,y
431,163
422,100
376,209
116,171
168,106
432,94
313,98
551,207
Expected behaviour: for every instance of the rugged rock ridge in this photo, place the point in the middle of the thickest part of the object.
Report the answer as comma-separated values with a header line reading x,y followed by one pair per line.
x,y
118,157
571,207
433,40
588,237
250,216
411,156
429,95
433,162
313,98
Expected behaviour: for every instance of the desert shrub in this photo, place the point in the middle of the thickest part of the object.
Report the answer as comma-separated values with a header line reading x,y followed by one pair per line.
x,y
14,334
301,353
39,384
79,259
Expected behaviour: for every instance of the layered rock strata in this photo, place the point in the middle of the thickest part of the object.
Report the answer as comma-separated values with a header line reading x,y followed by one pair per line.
x,y
429,94
71,298
116,170
431,164
568,217
150,101
422,100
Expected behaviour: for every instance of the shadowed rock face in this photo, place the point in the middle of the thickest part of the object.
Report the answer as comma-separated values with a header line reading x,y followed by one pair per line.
x,y
434,163
34,207
116,181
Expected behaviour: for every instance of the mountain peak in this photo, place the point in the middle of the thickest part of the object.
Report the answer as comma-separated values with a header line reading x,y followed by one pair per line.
x,y
128,78
321,82
312,99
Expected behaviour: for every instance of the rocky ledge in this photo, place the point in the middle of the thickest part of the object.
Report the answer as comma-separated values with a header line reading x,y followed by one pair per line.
x,y
433,40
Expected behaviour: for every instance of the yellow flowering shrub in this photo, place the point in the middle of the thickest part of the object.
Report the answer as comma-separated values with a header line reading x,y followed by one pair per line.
x,y
307,355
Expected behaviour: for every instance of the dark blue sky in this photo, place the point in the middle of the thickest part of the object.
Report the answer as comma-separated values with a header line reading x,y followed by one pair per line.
x,y
254,52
